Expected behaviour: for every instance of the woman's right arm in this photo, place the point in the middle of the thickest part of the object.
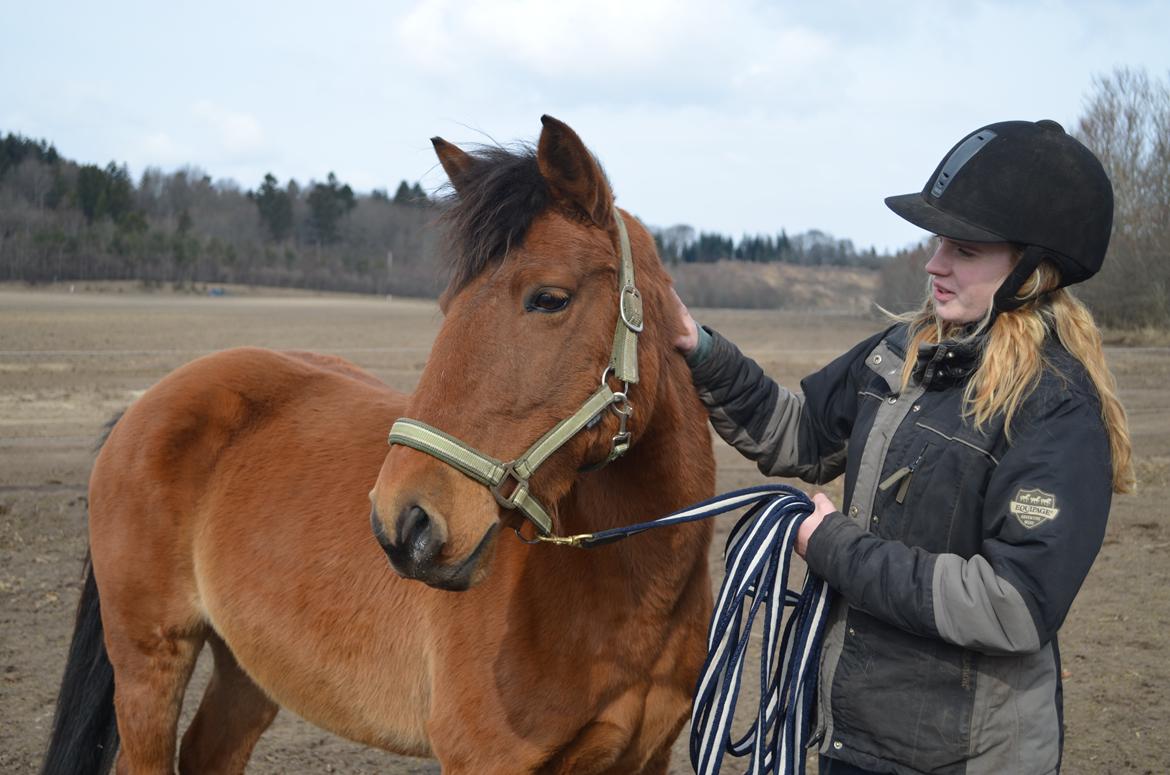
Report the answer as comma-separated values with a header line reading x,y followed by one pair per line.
x,y
786,433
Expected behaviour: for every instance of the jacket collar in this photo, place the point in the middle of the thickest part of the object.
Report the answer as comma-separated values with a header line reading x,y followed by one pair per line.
x,y
949,363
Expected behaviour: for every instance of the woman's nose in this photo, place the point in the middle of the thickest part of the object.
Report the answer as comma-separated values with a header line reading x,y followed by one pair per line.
x,y
937,265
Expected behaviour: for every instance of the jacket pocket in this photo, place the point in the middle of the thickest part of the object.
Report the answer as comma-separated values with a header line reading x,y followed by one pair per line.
x,y
902,698
939,502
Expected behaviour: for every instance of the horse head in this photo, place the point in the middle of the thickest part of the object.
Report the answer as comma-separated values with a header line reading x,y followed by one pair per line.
x,y
528,338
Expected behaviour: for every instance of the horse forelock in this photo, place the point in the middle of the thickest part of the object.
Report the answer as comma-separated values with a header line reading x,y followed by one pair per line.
x,y
491,208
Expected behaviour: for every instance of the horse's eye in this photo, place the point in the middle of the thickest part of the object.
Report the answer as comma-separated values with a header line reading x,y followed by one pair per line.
x,y
546,300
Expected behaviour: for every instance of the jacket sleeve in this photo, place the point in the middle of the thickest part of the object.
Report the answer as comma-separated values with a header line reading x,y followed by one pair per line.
x,y
1044,520
787,434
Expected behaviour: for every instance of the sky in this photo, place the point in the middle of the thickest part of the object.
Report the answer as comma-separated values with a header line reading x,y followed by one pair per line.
x,y
739,117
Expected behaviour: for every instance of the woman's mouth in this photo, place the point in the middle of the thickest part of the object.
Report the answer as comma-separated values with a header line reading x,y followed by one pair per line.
x,y
942,295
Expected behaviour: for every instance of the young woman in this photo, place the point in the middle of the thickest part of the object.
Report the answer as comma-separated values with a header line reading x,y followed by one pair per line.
x,y
981,439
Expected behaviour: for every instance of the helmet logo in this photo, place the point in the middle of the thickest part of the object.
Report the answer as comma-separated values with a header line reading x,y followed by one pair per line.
x,y
968,148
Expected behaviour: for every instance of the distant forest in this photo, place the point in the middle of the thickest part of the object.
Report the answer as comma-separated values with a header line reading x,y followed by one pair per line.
x,y
65,220
680,244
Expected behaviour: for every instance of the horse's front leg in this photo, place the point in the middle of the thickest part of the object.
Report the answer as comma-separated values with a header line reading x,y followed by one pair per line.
x,y
598,746
659,763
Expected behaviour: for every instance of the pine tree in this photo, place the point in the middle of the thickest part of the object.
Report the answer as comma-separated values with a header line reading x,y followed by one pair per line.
x,y
275,207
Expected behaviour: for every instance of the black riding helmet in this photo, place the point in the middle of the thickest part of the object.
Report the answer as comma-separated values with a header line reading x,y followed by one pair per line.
x,y
1024,182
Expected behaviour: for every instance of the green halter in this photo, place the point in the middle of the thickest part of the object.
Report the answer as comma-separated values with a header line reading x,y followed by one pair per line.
x,y
496,474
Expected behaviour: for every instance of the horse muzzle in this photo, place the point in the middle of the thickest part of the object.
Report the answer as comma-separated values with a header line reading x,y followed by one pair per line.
x,y
416,551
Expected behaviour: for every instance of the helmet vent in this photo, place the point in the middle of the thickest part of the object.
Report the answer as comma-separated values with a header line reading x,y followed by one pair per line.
x,y
968,148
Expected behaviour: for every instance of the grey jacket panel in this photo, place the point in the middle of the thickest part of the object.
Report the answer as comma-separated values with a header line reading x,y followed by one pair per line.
x,y
776,452
1015,726
974,607
956,558
776,449
765,421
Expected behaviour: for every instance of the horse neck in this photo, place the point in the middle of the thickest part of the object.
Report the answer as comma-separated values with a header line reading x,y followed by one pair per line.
x,y
590,591
669,466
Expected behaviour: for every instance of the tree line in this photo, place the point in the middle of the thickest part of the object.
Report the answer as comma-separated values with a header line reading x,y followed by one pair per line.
x,y
680,245
63,220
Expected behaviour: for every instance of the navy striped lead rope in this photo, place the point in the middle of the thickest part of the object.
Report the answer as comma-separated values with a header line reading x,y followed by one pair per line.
x,y
758,557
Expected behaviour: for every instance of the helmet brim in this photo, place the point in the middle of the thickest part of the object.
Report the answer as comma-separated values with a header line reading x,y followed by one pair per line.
x,y
919,212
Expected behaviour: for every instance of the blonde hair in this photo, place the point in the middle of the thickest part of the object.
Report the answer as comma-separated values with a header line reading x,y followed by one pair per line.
x,y
1013,358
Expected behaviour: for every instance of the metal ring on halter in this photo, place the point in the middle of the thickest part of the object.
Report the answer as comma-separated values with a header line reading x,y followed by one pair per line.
x,y
624,392
529,541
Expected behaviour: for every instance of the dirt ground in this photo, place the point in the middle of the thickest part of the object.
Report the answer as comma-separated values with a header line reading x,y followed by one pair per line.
x,y
68,361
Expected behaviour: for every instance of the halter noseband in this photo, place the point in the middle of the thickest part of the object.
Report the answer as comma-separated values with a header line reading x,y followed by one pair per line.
x,y
496,474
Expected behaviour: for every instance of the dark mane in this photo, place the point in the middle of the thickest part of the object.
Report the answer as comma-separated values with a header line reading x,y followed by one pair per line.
x,y
492,209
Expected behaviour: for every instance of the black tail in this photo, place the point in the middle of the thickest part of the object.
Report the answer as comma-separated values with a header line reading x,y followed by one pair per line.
x,y
85,729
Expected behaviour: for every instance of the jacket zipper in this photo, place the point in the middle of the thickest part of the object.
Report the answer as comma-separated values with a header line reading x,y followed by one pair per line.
x,y
903,475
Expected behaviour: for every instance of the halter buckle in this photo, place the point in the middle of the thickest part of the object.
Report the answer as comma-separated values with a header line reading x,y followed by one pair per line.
x,y
631,308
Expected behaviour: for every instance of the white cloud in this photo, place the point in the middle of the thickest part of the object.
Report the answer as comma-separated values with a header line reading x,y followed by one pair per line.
x,y
161,150
238,134
652,52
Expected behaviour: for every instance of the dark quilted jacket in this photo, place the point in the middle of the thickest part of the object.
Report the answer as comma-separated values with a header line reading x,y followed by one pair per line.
x,y
957,555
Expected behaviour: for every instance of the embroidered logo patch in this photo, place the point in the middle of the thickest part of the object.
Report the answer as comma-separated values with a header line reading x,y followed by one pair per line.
x,y
1032,507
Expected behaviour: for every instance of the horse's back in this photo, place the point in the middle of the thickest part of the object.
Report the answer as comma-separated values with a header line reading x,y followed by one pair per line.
x,y
232,496
177,432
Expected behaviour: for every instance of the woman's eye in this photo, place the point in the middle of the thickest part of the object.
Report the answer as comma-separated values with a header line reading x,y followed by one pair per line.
x,y
548,301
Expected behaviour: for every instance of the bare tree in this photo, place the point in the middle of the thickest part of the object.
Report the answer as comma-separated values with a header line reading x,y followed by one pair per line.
x,y
674,239
1127,124
902,284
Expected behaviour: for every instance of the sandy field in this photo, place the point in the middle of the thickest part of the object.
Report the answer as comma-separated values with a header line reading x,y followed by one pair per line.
x,y
69,361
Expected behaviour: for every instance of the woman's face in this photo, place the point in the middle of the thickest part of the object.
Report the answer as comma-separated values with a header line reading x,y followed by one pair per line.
x,y
964,277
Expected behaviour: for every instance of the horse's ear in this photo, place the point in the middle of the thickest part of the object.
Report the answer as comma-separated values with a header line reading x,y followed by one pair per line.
x,y
456,162
572,172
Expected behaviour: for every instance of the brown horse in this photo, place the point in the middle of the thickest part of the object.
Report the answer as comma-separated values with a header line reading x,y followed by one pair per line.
x,y
229,506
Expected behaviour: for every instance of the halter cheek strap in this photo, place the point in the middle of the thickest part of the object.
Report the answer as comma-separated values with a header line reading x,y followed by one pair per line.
x,y
497,475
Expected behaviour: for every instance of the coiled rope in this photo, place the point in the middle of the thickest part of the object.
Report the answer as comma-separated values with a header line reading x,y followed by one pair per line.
x,y
758,557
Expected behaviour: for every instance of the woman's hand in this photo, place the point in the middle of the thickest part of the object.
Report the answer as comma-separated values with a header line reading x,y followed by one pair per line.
x,y
688,340
822,507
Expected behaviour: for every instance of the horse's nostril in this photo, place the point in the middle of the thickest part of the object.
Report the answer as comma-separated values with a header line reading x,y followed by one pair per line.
x,y
376,526
415,548
415,533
